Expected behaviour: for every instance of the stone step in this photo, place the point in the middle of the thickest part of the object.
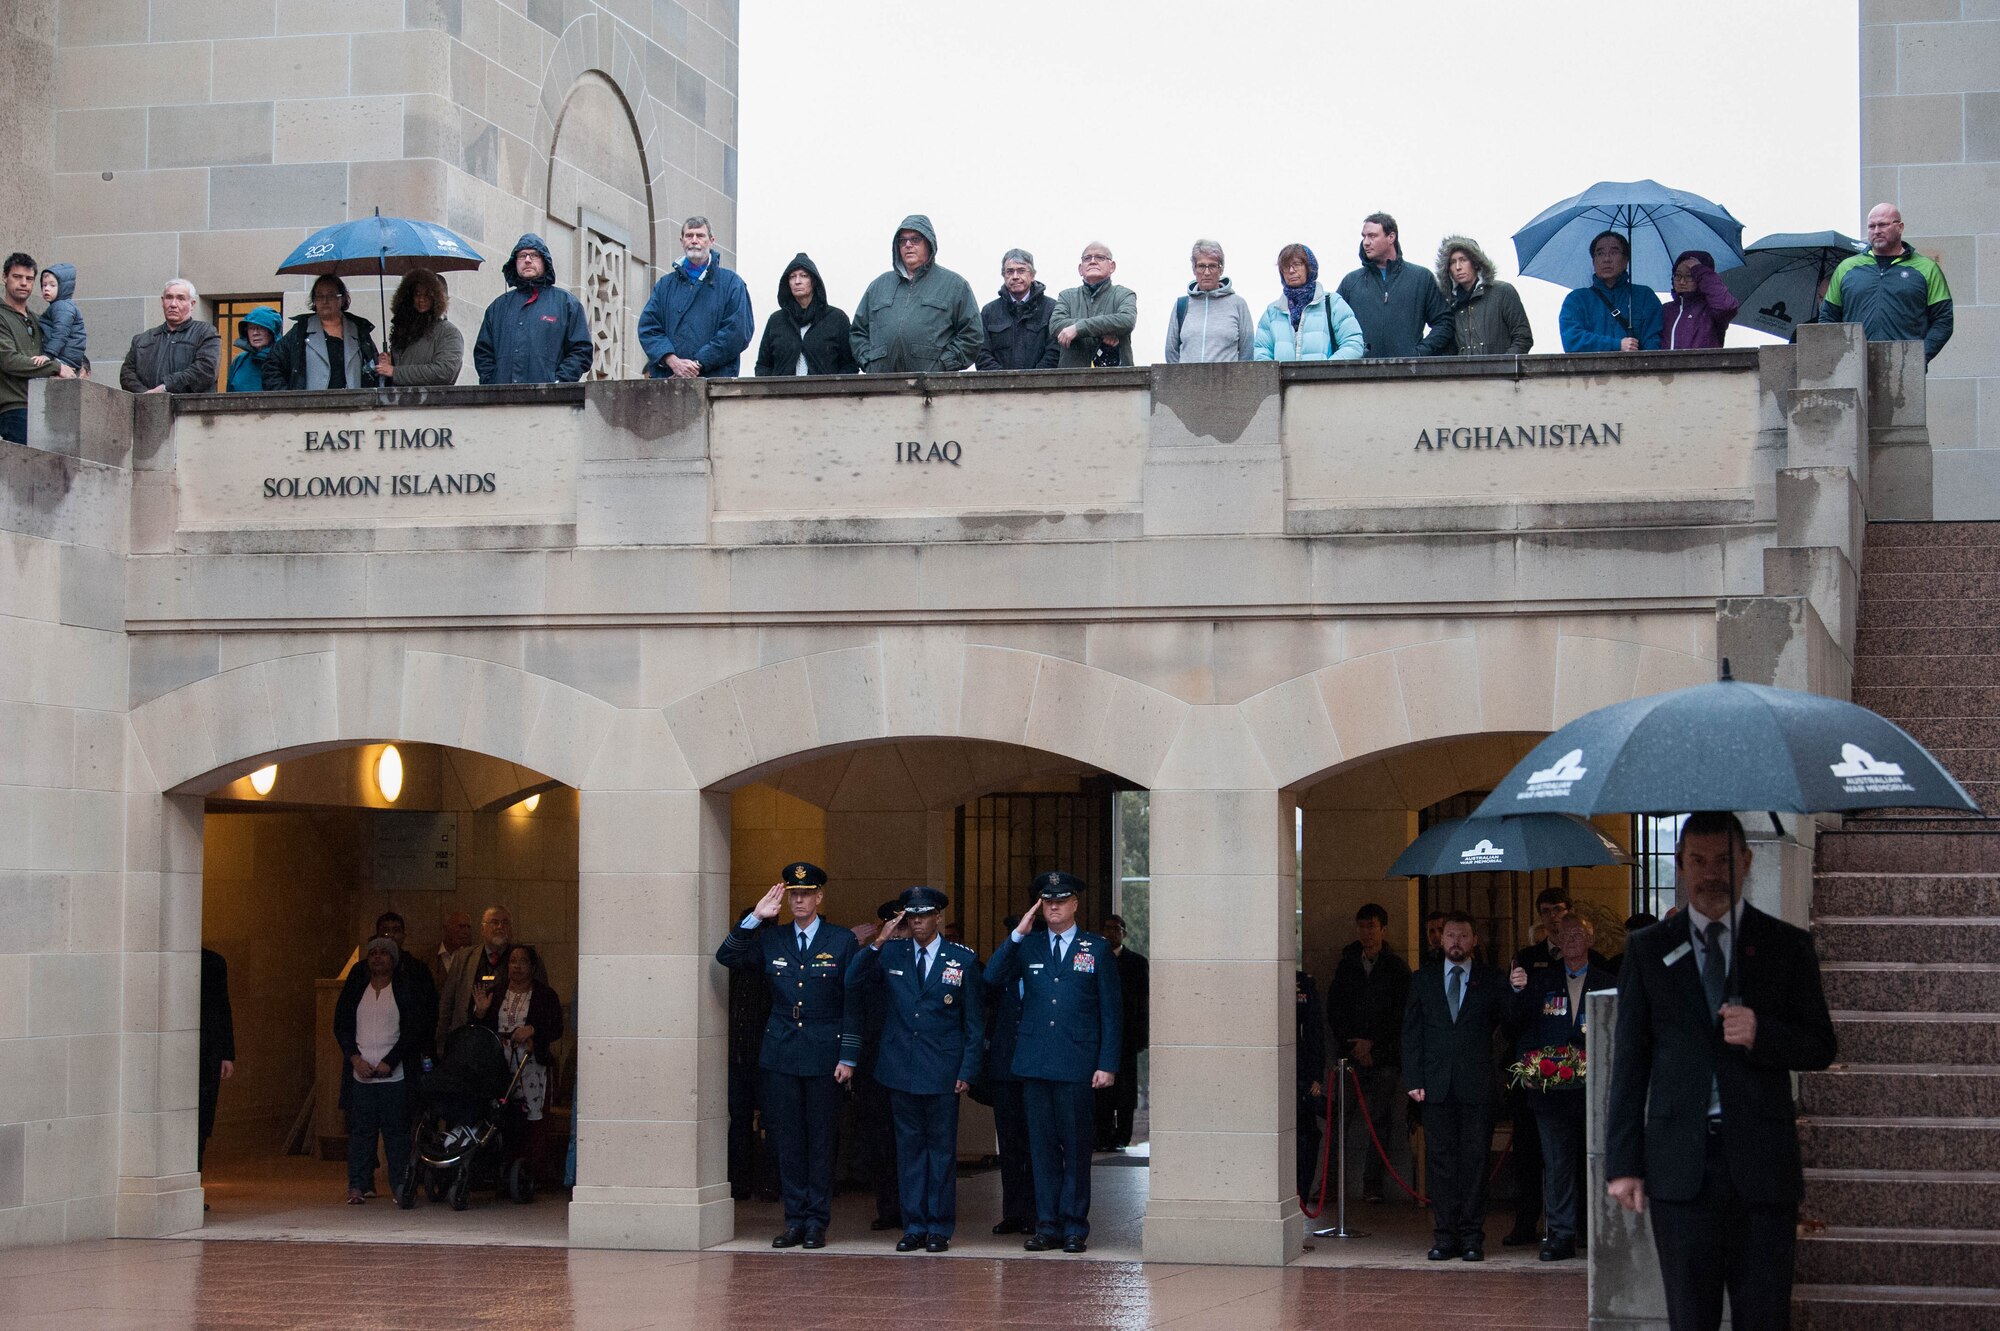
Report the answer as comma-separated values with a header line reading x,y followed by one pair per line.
x,y
1859,1142
1902,1198
1901,938
1929,585
1941,733
1915,700
1892,559
1889,535
1897,986
1903,612
1918,1037
1939,1258
1931,667
1893,1308
1871,642
1926,1090
1885,847
1912,894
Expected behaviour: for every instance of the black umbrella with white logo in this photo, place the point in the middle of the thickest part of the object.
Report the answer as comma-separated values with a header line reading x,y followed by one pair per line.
x,y
1495,845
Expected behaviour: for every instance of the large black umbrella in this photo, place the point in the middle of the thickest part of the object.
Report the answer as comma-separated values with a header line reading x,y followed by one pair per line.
x,y
1779,281
1494,845
1727,745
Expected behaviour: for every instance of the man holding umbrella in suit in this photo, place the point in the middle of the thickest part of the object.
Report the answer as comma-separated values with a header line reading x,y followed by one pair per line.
x,y
1716,1008
933,1038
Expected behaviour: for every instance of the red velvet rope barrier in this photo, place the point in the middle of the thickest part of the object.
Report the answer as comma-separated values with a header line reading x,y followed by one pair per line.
x,y
1326,1154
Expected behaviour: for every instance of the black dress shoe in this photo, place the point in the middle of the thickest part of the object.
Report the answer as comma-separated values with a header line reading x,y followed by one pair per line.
x,y
937,1243
1011,1227
878,1224
1443,1253
1074,1244
793,1236
1561,1250
909,1243
1474,1254
815,1238
1516,1239
1039,1242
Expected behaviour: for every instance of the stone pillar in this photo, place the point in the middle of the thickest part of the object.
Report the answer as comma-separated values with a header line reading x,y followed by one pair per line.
x,y
652,1007
1626,1293
1223,1178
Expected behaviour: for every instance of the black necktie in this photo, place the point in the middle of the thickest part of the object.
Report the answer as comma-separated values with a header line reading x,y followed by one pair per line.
x,y
923,965
1714,972
1455,990
1055,948
802,944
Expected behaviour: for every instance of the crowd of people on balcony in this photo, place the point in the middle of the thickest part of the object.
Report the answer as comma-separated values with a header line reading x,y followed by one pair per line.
x,y
919,317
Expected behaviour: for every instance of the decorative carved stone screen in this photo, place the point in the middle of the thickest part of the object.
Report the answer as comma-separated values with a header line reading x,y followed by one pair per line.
x,y
606,262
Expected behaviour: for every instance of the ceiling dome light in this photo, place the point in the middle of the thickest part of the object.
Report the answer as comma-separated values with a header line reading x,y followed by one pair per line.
x,y
389,773
264,778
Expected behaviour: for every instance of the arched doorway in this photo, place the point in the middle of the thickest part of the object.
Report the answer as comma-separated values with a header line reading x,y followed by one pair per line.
x,y
302,861
978,819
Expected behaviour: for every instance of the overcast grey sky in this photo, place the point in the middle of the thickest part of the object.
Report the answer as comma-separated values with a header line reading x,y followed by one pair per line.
x,y
1147,124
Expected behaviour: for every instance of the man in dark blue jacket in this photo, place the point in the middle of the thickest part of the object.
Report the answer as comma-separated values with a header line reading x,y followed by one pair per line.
x,y
1547,1010
534,332
810,1041
697,321
933,1037
1072,1020
1010,1111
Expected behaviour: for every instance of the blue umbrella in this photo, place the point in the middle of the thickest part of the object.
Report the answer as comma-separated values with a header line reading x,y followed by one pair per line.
x,y
383,246
1660,224
1781,275
1496,845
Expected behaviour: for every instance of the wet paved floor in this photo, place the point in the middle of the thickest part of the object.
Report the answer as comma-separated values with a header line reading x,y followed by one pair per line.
x,y
167,1284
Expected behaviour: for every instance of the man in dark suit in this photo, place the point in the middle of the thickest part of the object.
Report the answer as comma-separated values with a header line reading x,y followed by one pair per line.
x,y
1118,1104
1010,1111
1455,1007
811,1029
217,1050
933,1038
1547,1010
1072,1020
1701,1119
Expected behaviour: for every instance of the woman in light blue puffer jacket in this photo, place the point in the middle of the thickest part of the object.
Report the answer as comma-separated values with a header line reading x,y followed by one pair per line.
x,y
1307,322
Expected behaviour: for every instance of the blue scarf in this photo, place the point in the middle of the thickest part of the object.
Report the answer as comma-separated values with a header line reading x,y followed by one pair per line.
x,y
1297,298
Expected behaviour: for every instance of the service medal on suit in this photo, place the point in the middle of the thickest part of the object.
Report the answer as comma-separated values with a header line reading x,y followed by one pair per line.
x,y
812,1026
1723,1189
1071,1028
933,1038
1540,1015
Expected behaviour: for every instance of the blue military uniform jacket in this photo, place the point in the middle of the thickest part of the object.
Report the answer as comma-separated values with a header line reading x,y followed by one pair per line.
x,y
813,1024
1072,1020
934,1034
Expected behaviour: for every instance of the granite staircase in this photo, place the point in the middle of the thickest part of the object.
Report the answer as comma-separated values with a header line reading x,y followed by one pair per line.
x,y
1901,1219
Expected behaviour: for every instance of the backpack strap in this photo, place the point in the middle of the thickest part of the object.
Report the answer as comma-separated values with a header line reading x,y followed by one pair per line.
x,y
1605,296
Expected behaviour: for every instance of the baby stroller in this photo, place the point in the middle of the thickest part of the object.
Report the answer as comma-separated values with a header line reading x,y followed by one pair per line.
x,y
456,1142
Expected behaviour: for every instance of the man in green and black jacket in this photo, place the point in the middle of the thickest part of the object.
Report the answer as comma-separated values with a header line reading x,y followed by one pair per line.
x,y
1893,292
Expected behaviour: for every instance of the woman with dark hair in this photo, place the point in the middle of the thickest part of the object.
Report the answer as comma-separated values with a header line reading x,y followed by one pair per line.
x,y
529,1017
328,347
1307,321
1699,313
804,335
425,348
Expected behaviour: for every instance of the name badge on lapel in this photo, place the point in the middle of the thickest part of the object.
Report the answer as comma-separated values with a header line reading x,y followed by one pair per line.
x,y
777,963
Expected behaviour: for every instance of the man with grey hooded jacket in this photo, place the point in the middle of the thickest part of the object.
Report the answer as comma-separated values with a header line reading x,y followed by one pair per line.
x,y
917,318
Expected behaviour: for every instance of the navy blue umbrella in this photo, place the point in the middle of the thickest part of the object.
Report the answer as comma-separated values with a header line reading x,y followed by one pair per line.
x,y
1727,745
1779,282
384,247
1494,845
1659,223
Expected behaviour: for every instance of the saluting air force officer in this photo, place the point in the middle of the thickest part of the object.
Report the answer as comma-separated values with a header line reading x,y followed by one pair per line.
x,y
1071,1026
933,1037
811,1030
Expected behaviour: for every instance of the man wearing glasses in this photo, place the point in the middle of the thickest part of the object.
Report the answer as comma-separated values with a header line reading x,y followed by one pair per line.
x,y
1093,323
917,318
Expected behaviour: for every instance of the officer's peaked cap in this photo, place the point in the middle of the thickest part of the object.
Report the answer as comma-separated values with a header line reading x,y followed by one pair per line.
x,y
1056,885
922,901
801,874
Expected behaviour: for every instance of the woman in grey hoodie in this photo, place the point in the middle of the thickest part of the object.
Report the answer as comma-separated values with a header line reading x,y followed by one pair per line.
x,y
1211,322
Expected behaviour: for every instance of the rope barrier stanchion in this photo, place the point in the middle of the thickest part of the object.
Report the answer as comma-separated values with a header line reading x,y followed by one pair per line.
x,y
1338,1146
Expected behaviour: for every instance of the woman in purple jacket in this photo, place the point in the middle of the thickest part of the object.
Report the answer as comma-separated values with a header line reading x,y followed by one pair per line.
x,y
1702,306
